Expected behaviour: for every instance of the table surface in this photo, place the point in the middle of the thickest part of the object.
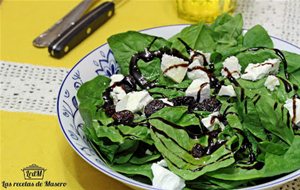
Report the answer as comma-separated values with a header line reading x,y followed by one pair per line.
x,y
29,138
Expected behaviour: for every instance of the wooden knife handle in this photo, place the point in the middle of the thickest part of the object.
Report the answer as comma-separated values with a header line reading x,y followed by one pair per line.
x,y
81,29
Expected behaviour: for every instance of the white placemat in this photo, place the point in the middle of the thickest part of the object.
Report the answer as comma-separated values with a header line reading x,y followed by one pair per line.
x,y
281,18
29,88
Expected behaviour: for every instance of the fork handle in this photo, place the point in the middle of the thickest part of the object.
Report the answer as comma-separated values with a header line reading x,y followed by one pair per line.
x,y
81,30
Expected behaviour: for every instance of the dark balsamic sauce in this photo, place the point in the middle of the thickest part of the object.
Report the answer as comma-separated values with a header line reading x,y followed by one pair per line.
x,y
245,106
197,54
257,99
199,91
288,87
242,94
275,105
231,78
175,66
257,166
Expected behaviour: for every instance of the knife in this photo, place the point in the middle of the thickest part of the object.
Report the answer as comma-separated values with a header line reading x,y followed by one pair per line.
x,y
83,28
63,24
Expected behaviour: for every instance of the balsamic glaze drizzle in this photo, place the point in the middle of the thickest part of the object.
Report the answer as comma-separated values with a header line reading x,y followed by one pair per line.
x,y
288,87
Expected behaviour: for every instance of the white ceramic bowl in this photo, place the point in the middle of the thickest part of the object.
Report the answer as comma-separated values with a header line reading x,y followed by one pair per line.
x,y
101,61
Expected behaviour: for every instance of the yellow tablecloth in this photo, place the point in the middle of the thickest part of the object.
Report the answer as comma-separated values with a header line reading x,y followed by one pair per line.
x,y
28,138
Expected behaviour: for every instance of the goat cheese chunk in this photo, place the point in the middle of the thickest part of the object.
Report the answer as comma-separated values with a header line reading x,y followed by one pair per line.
x,y
227,91
196,70
271,82
294,113
174,67
116,78
231,65
257,71
211,120
194,55
165,179
199,89
118,93
134,101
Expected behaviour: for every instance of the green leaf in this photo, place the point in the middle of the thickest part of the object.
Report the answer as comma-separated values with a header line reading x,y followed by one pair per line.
x,y
112,133
125,45
293,61
257,36
145,159
274,165
90,93
196,36
132,169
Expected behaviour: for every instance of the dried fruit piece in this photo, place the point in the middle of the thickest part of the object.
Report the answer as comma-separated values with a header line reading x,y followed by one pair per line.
x,y
198,151
123,117
183,101
211,105
153,107
109,109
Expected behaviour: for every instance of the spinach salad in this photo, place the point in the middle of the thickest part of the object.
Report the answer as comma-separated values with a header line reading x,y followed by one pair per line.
x,y
209,108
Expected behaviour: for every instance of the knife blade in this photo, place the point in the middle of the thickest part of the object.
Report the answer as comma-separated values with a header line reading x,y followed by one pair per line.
x,y
83,28
62,25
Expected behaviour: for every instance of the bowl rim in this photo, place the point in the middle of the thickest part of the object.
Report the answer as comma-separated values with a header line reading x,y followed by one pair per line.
x,y
122,178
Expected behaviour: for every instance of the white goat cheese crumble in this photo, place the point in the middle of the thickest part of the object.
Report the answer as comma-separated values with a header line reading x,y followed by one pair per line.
x,y
174,67
271,82
227,91
165,179
211,120
231,65
196,70
134,101
116,78
294,113
199,89
257,71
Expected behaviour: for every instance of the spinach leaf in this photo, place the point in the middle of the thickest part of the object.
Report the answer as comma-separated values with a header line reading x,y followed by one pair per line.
x,y
273,165
125,45
227,32
90,93
257,36
197,36
90,97
133,169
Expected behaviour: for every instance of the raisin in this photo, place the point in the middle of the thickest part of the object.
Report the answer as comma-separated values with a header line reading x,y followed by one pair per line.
x,y
153,107
183,101
109,109
211,105
198,151
123,117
